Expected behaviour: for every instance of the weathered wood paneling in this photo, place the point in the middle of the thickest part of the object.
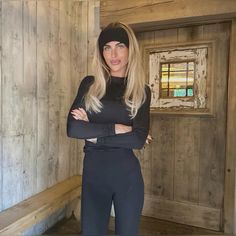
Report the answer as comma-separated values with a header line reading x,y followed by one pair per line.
x,y
162,177
180,212
54,93
12,170
185,162
1,158
93,30
12,106
64,87
29,99
42,93
212,167
186,157
230,184
43,58
12,54
147,15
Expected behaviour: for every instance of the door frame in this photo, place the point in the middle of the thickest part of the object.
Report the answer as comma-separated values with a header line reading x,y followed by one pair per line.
x,y
229,216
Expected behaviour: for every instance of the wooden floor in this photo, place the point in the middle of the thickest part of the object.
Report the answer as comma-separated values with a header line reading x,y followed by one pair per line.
x,y
148,227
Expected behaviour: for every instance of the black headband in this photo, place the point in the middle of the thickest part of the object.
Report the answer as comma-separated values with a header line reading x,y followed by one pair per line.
x,y
112,34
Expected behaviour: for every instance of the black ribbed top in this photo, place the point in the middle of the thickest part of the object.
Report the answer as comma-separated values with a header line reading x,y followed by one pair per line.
x,y
102,125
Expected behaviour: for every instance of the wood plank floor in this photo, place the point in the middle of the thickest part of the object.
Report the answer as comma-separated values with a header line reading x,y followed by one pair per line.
x,y
148,227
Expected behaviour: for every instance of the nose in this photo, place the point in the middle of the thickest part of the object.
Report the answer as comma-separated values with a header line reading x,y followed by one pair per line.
x,y
113,52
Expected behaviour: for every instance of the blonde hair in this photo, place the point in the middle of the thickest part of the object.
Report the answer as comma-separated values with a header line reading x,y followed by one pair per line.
x,y
134,95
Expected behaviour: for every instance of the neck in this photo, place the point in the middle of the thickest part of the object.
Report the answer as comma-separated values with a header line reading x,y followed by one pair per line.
x,y
121,75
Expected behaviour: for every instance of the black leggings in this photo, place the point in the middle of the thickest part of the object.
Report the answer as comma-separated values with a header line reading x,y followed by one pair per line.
x,y
111,175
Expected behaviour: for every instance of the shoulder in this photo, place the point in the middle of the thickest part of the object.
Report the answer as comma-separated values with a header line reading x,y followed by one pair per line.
x,y
86,82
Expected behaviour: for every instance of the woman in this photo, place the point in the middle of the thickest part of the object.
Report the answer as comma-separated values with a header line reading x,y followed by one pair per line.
x,y
111,112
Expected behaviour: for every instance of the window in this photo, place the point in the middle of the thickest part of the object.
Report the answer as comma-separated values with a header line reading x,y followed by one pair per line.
x,y
180,78
177,79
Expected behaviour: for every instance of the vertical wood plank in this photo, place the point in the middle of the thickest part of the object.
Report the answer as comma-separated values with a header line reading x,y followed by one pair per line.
x,y
54,82
1,158
212,164
12,106
12,54
163,157
221,75
29,99
230,174
65,39
93,30
186,159
208,166
12,166
42,93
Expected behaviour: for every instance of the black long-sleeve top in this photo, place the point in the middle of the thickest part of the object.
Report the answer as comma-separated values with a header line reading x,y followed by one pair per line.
x,y
102,125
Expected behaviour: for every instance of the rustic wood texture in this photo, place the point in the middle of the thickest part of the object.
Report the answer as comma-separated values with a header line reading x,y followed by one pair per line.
x,y
163,13
1,158
148,227
65,37
54,92
184,167
39,64
93,30
229,200
42,93
15,220
12,106
29,99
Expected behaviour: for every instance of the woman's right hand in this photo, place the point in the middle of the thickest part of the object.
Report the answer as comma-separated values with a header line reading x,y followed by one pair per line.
x,y
121,129
149,139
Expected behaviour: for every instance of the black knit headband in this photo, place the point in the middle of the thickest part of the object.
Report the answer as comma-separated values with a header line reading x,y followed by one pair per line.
x,y
112,34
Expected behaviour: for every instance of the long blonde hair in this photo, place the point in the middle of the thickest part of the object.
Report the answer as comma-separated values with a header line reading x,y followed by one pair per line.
x,y
134,95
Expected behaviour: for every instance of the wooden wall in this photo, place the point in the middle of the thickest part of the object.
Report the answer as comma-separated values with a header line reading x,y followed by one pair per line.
x,y
145,15
44,55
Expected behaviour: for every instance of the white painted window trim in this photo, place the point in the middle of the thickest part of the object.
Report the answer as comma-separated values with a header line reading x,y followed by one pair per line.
x,y
202,52
199,56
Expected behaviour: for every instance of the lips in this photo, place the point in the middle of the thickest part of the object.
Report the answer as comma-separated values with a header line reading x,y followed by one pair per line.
x,y
115,62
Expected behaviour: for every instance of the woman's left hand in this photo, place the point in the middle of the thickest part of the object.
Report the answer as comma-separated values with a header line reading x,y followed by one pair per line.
x,y
80,114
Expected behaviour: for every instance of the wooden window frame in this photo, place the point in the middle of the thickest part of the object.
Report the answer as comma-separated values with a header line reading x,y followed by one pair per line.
x,y
208,110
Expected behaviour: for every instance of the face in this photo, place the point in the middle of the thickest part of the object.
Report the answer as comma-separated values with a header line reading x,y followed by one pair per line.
x,y
116,56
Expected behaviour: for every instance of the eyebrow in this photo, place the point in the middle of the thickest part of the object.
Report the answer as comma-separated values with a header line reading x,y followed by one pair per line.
x,y
115,44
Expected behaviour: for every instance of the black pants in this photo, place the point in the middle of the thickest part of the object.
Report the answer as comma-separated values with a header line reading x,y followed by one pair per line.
x,y
111,175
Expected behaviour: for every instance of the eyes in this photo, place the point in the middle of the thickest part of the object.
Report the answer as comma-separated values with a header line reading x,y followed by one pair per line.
x,y
107,47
